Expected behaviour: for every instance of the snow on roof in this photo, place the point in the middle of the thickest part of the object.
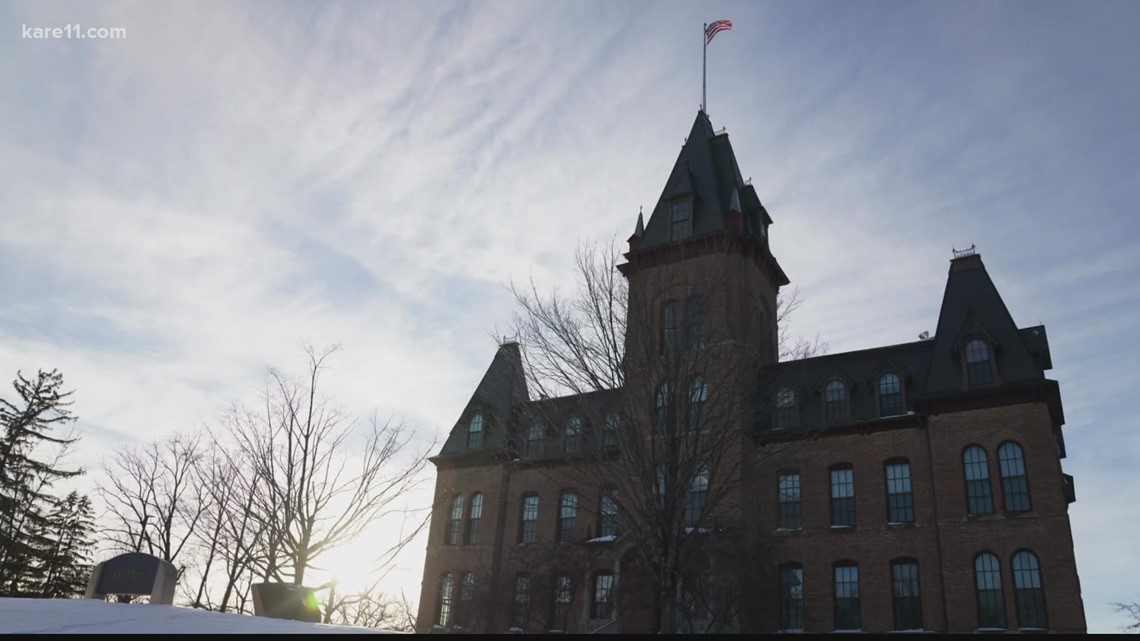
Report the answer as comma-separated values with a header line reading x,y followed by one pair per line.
x,y
90,616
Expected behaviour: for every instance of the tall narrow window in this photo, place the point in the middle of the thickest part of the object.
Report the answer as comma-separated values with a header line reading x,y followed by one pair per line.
x,y
534,438
835,402
1027,589
900,499
991,603
664,394
680,221
698,399
695,314
563,592
572,436
445,590
789,500
602,605
520,613
529,519
842,497
669,322
607,513
474,518
905,595
475,432
978,370
567,516
890,395
785,408
792,597
848,612
979,496
455,523
698,493
610,430
1014,485
466,597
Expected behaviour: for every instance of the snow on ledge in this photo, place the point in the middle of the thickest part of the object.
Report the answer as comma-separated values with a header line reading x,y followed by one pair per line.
x,y
603,539
91,616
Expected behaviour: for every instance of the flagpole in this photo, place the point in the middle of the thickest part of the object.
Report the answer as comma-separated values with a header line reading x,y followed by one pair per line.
x,y
704,68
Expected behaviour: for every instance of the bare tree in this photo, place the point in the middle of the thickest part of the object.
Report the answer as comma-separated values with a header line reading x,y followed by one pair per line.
x,y
684,351
154,498
314,486
1132,612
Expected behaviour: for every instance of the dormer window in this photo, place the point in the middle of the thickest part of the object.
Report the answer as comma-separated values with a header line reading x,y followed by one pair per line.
x,y
475,432
890,395
978,368
680,219
785,408
835,402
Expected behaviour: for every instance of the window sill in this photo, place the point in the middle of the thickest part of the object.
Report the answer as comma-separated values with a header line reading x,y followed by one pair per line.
x,y
1022,515
990,630
794,531
842,528
900,526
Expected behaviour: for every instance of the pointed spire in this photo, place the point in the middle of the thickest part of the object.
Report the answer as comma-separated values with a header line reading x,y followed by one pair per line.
x,y
638,232
734,204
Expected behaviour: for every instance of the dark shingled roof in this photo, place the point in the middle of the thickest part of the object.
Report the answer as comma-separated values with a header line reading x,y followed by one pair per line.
x,y
971,305
706,170
502,387
929,369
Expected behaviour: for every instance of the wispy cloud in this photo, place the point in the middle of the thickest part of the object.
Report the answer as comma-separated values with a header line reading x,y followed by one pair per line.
x,y
183,207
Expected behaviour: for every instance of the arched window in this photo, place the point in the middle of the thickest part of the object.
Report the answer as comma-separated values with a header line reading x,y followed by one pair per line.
x,y
978,371
785,408
698,493
528,520
475,432
905,594
848,610
1014,484
560,612
900,498
466,596
991,603
572,436
698,397
454,524
474,517
835,402
445,589
979,497
789,500
842,496
534,437
1027,588
664,392
567,516
610,430
601,606
890,395
792,597
520,612
608,512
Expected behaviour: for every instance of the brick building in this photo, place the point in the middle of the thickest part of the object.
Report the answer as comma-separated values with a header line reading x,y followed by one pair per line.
x,y
906,487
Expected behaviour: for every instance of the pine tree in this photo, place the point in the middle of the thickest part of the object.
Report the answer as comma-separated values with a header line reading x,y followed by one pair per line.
x,y
66,561
30,461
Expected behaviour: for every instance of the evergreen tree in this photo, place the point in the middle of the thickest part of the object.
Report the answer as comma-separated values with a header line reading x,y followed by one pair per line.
x,y
66,562
30,461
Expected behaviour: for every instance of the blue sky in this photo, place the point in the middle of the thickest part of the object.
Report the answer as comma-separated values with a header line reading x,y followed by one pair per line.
x,y
182,208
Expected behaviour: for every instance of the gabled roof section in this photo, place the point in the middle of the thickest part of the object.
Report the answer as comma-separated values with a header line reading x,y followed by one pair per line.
x,y
971,304
705,171
502,386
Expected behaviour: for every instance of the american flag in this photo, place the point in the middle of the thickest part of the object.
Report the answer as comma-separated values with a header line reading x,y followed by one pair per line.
x,y
715,28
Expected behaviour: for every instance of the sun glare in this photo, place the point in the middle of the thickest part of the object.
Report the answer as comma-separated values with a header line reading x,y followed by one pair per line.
x,y
353,566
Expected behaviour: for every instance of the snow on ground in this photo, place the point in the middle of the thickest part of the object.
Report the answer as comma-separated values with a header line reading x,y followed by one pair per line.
x,y
88,616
